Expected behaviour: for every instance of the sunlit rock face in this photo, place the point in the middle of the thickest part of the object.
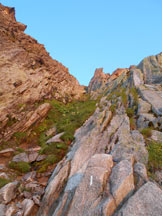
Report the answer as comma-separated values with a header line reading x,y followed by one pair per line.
x,y
112,167
105,171
27,72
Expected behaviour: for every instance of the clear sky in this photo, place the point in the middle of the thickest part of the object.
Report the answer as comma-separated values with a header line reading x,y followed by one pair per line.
x,y
87,34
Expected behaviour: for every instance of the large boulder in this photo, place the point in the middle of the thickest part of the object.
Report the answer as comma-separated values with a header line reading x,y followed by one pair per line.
x,y
146,201
8,192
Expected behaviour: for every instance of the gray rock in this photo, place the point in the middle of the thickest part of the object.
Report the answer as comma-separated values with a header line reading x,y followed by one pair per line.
x,y
146,120
21,157
2,167
55,138
32,157
27,194
154,98
140,174
41,157
87,194
51,131
158,175
29,176
122,181
36,199
2,210
137,77
4,175
156,135
8,192
27,206
146,201
143,107
11,210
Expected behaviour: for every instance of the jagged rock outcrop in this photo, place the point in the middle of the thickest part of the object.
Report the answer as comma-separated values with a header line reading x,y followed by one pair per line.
x,y
105,171
27,72
98,80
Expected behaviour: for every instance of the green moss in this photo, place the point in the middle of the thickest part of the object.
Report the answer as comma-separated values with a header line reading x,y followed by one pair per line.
x,y
124,97
146,132
61,146
3,182
20,136
134,93
132,123
113,108
66,137
51,159
20,150
22,166
130,112
155,155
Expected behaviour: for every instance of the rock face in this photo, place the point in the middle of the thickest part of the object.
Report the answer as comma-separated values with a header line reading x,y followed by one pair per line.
x,y
27,73
104,172
98,80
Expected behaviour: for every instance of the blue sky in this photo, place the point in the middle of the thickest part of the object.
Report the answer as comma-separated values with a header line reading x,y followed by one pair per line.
x,y
87,34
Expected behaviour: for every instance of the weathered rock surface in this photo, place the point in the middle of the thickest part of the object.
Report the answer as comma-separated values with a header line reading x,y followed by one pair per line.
x,y
21,157
146,201
56,138
8,192
104,171
122,181
2,210
27,72
27,205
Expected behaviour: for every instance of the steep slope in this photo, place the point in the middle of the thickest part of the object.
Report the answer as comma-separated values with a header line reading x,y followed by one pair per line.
x,y
114,166
27,73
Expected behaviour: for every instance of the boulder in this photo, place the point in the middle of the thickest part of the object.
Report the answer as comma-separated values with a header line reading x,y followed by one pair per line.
x,y
55,138
51,131
11,210
156,135
88,193
21,157
146,120
143,106
146,201
27,206
29,176
33,156
8,192
122,181
153,98
7,152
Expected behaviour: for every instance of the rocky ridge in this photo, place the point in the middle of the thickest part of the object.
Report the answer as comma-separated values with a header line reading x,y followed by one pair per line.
x,y
27,74
112,167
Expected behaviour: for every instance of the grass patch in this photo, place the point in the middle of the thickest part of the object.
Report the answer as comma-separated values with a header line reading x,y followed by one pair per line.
x,y
20,136
124,97
22,166
134,93
113,108
132,123
146,132
155,155
130,112
3,182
